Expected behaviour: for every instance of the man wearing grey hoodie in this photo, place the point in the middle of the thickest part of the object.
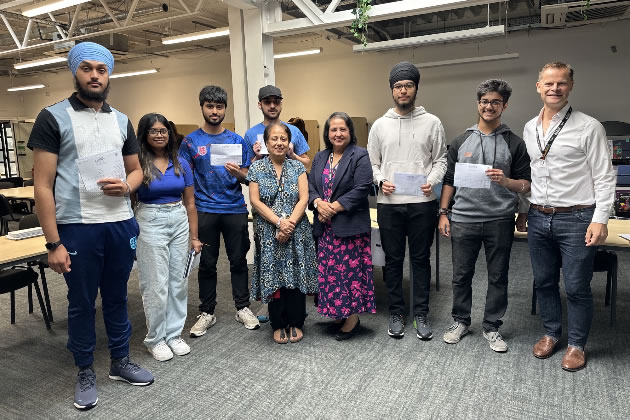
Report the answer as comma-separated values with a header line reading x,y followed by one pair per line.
x,y
407,143
484,216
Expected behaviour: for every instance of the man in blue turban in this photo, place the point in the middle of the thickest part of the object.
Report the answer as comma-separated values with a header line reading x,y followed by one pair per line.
x,y
89,225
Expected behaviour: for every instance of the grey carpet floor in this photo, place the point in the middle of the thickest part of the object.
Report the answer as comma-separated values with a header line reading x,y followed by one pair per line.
x,y
233,373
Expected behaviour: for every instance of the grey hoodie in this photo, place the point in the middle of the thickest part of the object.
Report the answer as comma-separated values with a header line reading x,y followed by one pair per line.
x,y
502,149
412,143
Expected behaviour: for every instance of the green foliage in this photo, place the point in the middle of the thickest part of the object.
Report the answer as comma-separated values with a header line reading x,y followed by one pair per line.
x,y
359,26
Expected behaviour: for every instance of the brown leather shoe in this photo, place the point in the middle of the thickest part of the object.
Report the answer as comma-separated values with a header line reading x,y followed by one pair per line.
x,y
574,359
544,348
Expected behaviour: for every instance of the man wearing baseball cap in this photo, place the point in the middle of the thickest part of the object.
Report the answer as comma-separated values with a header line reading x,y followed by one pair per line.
x,y
270,103
90,229
407,143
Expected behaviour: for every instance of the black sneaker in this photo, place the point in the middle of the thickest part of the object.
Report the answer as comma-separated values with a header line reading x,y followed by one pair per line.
x,y
124,370
396,326
85,394
423,329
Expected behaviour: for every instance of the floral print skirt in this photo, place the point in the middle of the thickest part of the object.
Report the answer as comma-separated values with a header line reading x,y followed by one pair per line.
x,y
346,285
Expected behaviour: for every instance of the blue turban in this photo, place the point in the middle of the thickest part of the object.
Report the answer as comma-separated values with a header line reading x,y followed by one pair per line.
x,y
90,51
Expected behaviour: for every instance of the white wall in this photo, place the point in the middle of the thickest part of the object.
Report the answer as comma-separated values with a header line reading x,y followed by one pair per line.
x,y
338,80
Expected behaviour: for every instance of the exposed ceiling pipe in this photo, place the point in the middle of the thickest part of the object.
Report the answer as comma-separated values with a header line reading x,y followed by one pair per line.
x,y
145,11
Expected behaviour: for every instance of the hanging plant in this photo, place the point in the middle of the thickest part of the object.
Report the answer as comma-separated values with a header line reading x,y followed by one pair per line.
x,y
359,26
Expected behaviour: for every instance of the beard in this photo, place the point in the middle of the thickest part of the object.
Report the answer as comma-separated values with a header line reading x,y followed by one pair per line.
x,y
213,123
407,106
91,95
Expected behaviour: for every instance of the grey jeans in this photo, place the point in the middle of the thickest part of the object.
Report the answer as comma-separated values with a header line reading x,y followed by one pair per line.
x,y
466,240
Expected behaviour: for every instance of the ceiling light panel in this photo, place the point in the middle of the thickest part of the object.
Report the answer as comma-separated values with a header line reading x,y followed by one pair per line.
x,y
132,73
298,53
49,6
40,62
28,87
195,36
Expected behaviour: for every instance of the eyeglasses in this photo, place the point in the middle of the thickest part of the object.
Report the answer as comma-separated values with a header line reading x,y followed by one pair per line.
x,y
407,86
162,131
495,102
276,102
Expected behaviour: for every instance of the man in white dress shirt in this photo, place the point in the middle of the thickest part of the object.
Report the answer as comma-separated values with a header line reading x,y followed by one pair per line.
x,y
572,192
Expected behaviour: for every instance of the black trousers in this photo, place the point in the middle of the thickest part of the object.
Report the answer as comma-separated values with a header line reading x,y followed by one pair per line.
x,y
233,227
288,310
466,239
397,222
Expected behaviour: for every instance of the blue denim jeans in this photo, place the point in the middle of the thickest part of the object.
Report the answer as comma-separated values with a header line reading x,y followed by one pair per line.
x,y
558,241
162,253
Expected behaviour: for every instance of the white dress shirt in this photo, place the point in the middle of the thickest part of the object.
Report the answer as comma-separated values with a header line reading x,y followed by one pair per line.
x,y
578,168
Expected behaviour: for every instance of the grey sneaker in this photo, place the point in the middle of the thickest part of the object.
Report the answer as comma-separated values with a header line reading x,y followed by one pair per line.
x,y
496,341
423,328
204,321
396,326
85,394
455,332
124,370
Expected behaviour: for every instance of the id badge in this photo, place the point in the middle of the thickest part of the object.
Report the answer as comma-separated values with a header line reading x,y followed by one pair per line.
x,y
541,169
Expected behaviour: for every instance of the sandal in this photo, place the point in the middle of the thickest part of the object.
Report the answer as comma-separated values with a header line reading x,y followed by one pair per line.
x,y
296,335
280,337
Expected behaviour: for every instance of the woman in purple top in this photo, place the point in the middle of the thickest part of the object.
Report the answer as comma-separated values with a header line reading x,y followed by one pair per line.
x,y
168,233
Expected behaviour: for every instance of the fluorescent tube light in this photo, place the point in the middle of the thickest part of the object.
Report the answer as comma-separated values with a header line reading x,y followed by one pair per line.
x,y
212,33
49,6
468,60
298,53
29,87
416,41
132,73
40,62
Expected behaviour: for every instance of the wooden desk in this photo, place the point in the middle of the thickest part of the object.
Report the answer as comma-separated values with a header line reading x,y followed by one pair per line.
x,y
615,227
21,193
22,251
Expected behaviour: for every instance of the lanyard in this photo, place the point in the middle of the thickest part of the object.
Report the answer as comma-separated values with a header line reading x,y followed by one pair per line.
x,y
545,151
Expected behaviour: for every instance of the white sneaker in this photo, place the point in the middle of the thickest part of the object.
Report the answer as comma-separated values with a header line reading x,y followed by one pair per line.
x,y
247,318
204,321
161,352
455,332
496,341
179,346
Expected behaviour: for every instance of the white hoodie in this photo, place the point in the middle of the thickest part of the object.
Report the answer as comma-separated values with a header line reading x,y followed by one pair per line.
x,y
412,143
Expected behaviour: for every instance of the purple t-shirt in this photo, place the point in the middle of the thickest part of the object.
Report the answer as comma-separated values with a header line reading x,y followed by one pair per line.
x,y
169,187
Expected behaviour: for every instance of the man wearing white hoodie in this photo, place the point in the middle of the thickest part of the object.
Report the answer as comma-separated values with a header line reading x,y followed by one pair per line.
x,y
407,143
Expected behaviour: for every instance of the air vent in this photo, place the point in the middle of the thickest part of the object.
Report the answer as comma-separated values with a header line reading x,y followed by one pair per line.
x,y
576,13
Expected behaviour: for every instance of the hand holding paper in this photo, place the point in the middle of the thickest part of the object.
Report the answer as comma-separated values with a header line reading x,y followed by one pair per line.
x,y
409,184
220,154
471,175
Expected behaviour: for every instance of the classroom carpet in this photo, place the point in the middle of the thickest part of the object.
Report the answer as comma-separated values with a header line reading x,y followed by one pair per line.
x,y
235,373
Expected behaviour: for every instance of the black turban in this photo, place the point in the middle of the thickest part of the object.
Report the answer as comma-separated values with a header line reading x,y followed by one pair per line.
x,y
404,71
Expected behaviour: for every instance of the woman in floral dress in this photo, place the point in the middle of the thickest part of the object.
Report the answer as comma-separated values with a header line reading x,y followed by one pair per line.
x,y
339,184
285,267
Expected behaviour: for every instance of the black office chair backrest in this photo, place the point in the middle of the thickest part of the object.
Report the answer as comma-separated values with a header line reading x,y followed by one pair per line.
x,y
5,185
29,182
5,207
29,221
16,181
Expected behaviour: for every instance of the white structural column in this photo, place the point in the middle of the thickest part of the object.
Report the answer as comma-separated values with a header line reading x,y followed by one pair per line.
x,y
252,60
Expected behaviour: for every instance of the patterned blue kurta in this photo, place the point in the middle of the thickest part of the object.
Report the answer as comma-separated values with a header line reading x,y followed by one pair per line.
x,y
293,264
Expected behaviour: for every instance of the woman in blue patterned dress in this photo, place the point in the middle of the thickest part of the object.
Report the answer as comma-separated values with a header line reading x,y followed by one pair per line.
x,y
285,269
339,184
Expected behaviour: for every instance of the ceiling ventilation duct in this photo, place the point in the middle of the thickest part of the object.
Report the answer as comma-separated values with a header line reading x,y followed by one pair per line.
x,y
576,13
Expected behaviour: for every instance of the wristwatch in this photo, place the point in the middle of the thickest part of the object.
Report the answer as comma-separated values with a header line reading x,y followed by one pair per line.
x,y
443,212
315,205
51,246
380,184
